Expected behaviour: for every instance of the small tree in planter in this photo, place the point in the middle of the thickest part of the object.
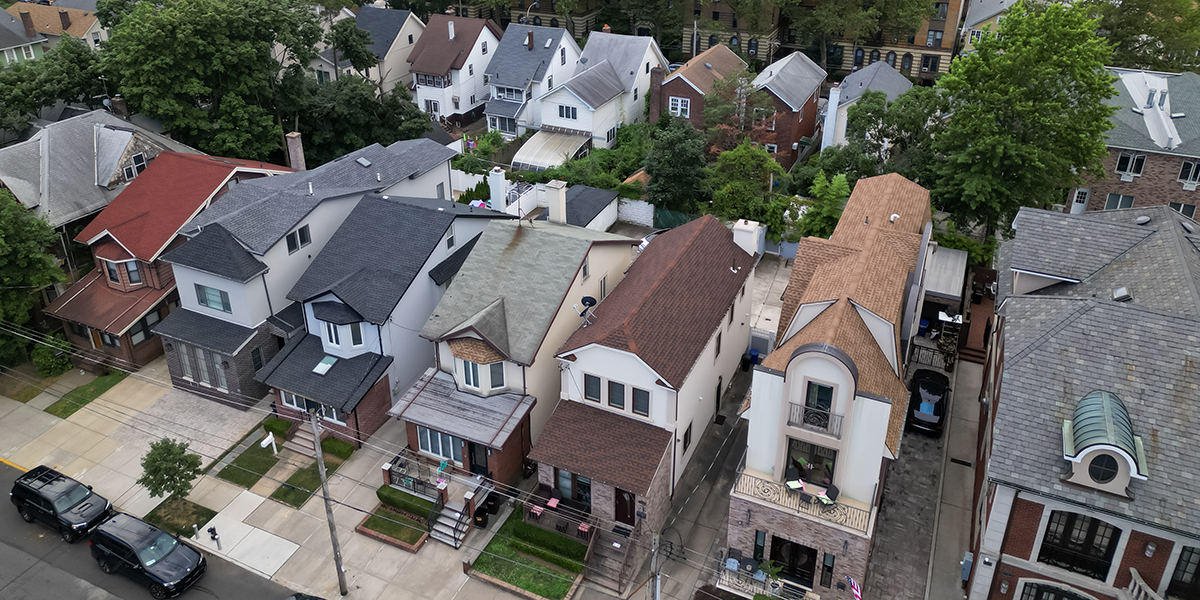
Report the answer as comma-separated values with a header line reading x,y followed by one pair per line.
x,y
168,468
771,570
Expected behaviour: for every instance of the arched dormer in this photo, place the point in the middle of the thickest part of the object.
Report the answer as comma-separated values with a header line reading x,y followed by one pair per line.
x,y
1100,443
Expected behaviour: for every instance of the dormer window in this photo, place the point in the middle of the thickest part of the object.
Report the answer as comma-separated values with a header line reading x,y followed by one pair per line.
x,y
1099,442
356,337
331,334
470,374
137,165
111,270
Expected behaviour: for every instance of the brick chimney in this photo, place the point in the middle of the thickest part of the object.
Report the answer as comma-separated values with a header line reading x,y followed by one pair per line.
x,y
606,29
27,20
65,17
120,107
529,39
450,28
295,149
656,98
557,200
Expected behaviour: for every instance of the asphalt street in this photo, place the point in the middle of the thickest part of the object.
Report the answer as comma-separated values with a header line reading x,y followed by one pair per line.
x,y
35,564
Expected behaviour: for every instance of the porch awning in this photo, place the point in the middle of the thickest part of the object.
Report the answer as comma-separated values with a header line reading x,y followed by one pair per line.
x,y
435,402
946,274
546,150
92,303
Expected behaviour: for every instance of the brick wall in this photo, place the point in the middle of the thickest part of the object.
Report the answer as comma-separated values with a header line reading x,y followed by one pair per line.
x,y
1006,573
660,102
239,375
505,464
369,415
1023,523
1152,569
1158,184
789,128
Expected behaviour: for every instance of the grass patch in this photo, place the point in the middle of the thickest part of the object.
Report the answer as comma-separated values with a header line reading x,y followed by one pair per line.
x,y
26,394
339,448
79,397
521,567
176,515
249,466
305,482
401,500
395,525
210,465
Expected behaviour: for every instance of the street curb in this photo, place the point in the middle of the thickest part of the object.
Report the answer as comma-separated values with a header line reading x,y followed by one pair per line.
x,y
13,465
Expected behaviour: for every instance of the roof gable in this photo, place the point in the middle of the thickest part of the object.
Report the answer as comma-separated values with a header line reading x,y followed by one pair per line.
x,y
626,54
436,54
794,79
718,62
877,76
595,85
215,251
384,24
46,19
515,64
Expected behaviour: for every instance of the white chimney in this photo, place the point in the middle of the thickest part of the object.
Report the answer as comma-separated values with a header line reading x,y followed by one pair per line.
x,y
831,115
498,186
749,236
450,25
557,192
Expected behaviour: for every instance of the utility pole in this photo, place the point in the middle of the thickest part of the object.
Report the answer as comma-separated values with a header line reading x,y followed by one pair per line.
x,y
337,549
656,591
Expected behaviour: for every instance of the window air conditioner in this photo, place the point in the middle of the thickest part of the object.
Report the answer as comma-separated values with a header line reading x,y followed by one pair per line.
x,y
795,145
924,69
1127,177
454,98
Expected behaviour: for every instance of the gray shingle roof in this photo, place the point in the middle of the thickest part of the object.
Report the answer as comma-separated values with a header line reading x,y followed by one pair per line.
x,y
434,401
625,53
443,271
503,108
383,24
596,85
877,76
215,251
1070,247
12,33
794,79
514,282
1130,129
335,312
583,204
514,64
289,320
261,211
981,10
204,331
342,387
379,250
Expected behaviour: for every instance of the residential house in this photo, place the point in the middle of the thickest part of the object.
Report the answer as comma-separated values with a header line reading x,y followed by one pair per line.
x,y
19,40
496,330
364,298
794,85
607,90
878,77
708,25
681,93
981,15
246,253
394,34
53,22
640,381
828,404
1153,147
523,68
582,206
448,64
110,311
1083,485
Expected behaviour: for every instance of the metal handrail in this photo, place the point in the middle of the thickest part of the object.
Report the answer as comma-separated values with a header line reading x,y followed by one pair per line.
x,y
816,419
431,520
778,494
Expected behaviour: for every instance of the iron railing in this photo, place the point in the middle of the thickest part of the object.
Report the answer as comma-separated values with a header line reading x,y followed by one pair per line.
x,y
815,419
779,495
934,357
743,582
432,519
1076,562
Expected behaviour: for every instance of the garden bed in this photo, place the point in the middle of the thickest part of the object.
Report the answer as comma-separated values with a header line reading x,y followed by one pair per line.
x,y
305,482
176,515
79,397
392,527
533,560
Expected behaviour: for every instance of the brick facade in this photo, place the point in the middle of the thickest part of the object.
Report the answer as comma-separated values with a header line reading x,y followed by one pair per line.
x,y
1023,524
504,465
1157,185
661,93
1152,568
789,128
243,390
128,355
361,423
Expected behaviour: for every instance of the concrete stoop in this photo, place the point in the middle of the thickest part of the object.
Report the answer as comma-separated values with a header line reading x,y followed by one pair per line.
x,y
301,442
444,529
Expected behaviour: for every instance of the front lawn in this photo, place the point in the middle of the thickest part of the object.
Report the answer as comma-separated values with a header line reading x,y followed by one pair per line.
x,y
249,466
26,394
393,524
532,554
79,397
305,482
176,515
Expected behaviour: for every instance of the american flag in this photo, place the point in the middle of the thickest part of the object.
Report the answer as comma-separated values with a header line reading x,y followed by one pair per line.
x,y
854,587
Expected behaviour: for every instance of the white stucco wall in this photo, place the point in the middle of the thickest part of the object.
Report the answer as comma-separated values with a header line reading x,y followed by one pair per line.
x,y
606,218
764,432
861,457
425,185
610,364
371,341
247,301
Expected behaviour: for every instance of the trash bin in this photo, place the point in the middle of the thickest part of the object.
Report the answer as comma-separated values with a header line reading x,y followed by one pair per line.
x,y
492,503
481,517
923,327
746,362
754,356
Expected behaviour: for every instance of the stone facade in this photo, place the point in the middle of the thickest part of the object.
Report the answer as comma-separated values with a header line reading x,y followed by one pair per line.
x,y
243,390
1157,185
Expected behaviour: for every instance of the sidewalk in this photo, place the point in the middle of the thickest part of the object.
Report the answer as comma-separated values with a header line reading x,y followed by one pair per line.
x,y
951,539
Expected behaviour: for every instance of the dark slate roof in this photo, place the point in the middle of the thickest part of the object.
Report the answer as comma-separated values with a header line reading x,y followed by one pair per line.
x,y
443,271
204,331
439,135
215,251
379,250
877,76
596,85
383,24
583,204
342,387
289,320
435,402
259,212
12,33
335,312
793,79
1130,128
514,64
503,108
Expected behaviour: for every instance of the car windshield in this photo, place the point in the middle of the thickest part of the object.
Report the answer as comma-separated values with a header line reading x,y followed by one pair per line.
x,y
156,550
931,394
74,495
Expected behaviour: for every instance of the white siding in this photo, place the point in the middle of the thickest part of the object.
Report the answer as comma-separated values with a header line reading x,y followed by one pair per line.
x,y
248,302
621,367
605,118
424,186
563,97
345,348
606,218
286,269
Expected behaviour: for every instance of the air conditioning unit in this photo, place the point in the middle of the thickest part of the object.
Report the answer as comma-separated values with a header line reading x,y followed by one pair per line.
x,y
795,145
1127,177
1189,187
454,99
924,69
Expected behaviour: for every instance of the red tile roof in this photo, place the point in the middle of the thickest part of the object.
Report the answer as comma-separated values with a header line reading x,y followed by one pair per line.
x,y
98,306
150,210
672,299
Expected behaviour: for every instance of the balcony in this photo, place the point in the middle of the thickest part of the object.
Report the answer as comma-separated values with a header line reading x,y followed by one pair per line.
x,y
1074,561
741,582
815,419
844,512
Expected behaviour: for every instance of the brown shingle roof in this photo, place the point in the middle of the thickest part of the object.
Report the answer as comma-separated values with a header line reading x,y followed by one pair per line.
x,y
724,63
476,351
47,21
436,54
602,445
672,299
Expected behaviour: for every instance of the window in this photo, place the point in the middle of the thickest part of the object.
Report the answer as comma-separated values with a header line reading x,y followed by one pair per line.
x,y
975,36
140,331
201,365
567,112
1103,468
817,464
110,340
635,93
1042,591
591,387
330,413
1130,164
603,287
549,83
96,39
906,63
827,570
680,107
470,374
760,544
734,21
731,307
298,239
256,360
441,191
213,298
1184,582
485,47
586,271
771,148
874,56
891,59
1190,172
562,58
185,361
641,402
1079,543
537,21
131,269
220,370
470,70
356,334
1188,210
616,395
450,237
10,55
1116,201
687,437
27,51
293,400
507,93
742,292
111,269
1081,195
331,334
929,63
912,36
565,483
496,373
77,329
819,396
717,349
752,47
940,9
858,57
712,41
410,39
610,135
455,101
733,41
716,15
138,164
440,444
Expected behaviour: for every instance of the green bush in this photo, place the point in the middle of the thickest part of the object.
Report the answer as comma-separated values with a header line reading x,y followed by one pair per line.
x,y
549,542
277,426
404,501
979,254
482,191
52,358
337,447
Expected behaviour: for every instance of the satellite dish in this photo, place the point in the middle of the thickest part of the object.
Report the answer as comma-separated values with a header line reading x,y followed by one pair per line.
x,y
588,301
107,103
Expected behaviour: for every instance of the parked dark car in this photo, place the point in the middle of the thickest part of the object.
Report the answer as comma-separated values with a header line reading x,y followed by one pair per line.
x,y
147,555
43,494
927,400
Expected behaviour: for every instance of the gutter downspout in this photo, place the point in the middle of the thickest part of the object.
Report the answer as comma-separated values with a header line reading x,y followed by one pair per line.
x,y
267,290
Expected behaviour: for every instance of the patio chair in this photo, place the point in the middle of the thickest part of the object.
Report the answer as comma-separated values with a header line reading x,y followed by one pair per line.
x,y
585,531
792,479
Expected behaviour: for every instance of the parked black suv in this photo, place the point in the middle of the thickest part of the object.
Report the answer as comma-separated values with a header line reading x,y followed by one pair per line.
x,y
43,494
147,555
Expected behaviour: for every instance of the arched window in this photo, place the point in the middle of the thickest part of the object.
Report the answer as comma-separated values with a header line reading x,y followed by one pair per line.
x,y
554,22
733,41
537,21
752,47
906,64
712,41
874,57
858,57
834,55
891,59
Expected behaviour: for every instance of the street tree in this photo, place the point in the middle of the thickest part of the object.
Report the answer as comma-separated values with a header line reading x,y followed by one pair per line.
x,y
168,468
733,109
675,165
1160,35
1027,115
908,127
827,199
25,266
351,43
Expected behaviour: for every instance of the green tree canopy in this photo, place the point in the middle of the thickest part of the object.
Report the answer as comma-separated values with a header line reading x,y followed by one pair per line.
x,y
825,208
68,73
733,109
820,22
1160,35
350,43
743,187
347,114
908,126
168,468
675,165
25,266
1027,115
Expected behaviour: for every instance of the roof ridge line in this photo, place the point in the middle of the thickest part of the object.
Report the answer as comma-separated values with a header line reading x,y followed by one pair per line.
x,y
1189,281
1123,253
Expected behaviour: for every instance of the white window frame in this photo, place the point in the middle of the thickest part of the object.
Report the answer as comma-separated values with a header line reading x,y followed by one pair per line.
x,y
292,400
1131,165
1187,210
586,270
603,287
425,434
10,55
450,237
326,411
185,362
470,373
495,383
1082,195
1194,167
771,148
975,36
298,239
129,273
331,334
680,107
27,52
356,332
569,113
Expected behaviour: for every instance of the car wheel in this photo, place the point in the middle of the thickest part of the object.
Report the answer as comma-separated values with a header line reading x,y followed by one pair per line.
x,y
68,536
25,514
158,591
105,566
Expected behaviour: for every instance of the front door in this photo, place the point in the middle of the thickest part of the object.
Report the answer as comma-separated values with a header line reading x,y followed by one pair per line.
x,y
96,342
625,508
431,107
796,562
478,454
